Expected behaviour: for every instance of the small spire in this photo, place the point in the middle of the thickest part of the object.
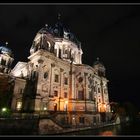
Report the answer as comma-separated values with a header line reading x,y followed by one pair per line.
x,y
6,43
59,15
80,45
97,58
46,25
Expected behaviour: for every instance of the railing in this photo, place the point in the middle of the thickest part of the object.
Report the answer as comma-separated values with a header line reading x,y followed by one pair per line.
x,y
63,125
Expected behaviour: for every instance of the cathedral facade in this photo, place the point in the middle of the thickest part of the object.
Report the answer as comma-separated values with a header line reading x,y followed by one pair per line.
x,y
55,81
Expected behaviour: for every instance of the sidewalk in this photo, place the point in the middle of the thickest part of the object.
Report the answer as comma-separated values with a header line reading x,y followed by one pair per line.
x,y
83,128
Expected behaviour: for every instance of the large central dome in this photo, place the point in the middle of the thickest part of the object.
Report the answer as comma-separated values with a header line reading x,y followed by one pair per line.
x,y
60,30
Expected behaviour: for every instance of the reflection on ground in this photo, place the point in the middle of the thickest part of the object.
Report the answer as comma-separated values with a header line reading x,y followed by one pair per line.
x,y
106,133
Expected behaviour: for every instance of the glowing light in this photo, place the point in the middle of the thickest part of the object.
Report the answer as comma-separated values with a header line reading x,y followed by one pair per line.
x,y
19,105
45,108
4,109
107,133
66,102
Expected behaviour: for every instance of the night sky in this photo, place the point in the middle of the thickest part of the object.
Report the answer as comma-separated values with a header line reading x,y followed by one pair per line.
x,y
110,32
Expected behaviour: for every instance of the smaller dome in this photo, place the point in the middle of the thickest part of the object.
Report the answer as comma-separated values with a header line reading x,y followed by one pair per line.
x,y
99,68
6,50
44,30
97,62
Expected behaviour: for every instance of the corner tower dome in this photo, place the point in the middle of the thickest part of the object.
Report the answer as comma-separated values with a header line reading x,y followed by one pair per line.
x,y
98,62
6,59
5,50
99,67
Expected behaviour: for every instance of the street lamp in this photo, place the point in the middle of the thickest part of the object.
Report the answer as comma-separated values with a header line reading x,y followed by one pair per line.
x,y
4,109
105,107
45,108
66,103
4,112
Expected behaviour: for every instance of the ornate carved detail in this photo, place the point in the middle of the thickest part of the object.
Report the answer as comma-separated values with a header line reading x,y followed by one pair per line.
x,y
91,86
53,64
80,79
40,61
45,88
61,70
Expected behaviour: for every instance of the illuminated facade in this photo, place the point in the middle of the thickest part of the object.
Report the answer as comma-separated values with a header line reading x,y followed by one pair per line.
x,y
6,82
55,80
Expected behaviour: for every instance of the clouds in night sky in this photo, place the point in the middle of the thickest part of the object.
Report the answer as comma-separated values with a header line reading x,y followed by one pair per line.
x,y
111,32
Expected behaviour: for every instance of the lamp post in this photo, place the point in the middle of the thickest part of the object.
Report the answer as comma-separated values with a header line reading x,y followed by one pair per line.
x,y
4,112
66,103
70,90
52,65
85,74
61,70
94,100
97,107
102,93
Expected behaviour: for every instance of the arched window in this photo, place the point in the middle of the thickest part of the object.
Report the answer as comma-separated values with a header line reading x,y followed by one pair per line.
x,y
65,95
47,45
55,93
55,52
69,53
34,74
9,64
3,62
46,75
56,76
65,79
99,90
52,49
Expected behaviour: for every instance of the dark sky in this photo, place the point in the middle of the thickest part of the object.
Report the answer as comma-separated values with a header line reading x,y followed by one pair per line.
x,y
110,32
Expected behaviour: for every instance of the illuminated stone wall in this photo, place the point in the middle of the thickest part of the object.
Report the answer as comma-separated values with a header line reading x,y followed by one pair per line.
x,y
61,81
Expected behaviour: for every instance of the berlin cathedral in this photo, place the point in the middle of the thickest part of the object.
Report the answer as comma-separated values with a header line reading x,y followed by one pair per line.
x,y
54,80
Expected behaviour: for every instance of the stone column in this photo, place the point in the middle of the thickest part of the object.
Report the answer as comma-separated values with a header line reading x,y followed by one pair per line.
x,y
52,66
85,91
60,94
57,55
